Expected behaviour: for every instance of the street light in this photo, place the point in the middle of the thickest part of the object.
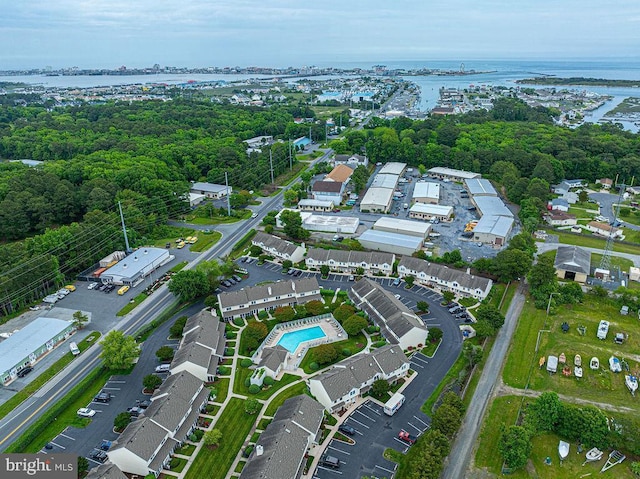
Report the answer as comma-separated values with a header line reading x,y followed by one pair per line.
x,y
549,305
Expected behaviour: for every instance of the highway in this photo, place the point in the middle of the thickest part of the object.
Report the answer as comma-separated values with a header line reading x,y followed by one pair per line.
x,y
14,424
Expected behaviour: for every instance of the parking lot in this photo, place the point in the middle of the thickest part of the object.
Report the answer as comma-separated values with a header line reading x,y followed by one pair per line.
x,y
375,431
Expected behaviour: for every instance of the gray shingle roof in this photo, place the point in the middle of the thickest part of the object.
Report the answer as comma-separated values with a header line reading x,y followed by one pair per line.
x,y
266,241
573,258
354,257
327,186
445,273
203,338
106,471
271,290
142,437
166,449
174,399
272,358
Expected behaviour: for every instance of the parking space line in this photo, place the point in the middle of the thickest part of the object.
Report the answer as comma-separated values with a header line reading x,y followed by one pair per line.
x,y
421,420
363,425
113,389
330,470
369,418
58,445
415,364
117,382
384,469
93,460
401,442
372,409
418,358
338,450
68,437
415,427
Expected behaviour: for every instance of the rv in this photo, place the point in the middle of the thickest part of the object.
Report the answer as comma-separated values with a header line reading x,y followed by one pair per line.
x,y
393,404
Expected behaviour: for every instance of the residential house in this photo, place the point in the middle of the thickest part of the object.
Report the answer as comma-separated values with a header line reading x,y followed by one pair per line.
x,y
350,261
249,301
281,450
340,174
567,185
308,204
605,183
397,323
273,360
560,218
211,190
202,346
573,263
604,229
328,191
106,471
351,378
352,161
281,249
559,204
447,279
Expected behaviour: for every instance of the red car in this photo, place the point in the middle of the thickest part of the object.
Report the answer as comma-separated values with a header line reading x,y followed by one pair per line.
x,y
406,437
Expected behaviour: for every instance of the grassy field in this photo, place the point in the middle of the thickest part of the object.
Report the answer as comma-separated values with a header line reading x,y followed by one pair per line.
x,y
243,373
235,425
506,301
290,392
222,386
504,411
206,241
176,232
355,344
132,304
217,220
179,266
623,263
601,385
593,242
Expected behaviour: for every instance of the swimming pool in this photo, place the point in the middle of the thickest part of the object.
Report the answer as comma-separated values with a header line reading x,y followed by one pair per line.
x,y
292,340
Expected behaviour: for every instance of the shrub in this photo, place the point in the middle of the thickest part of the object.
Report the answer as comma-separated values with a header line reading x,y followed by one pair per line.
x,y
325,354
269,381
121,421
223,370
346,352
263,315
175,462
252,406
232,335
238,321
254,389
435,334
178,326
314,366
247,382
198,433
165,353
151,382
246,362
193,437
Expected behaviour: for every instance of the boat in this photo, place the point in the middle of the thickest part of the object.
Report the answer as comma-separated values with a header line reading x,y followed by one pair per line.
x,y
552,364
594,363
577,360
632,383
542,361
614,364
577,371
562,359
563,450
593,455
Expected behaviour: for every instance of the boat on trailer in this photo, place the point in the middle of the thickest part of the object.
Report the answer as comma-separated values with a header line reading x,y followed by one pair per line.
x,y
577,360
593,455
563,450
614,364
632,383
577,371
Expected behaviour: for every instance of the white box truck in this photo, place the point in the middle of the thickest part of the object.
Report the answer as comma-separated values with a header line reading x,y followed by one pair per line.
x,y
393,404
74,349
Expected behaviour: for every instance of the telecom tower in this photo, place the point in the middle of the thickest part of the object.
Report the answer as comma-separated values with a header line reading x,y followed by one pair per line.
x,y
605,262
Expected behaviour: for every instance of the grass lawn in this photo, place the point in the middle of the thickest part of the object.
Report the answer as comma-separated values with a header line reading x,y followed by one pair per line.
x,y
243,373
178,464
623,263
430,349
186,449
290,392
206,241
179,266
468,302
506,301
593,242
132,304
452,375
177,232
354,344
54,369
496,293
222,386
601,385
235,425
218,220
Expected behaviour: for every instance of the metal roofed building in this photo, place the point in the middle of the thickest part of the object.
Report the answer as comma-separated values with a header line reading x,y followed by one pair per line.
x,y
135,267
281,449
422,211
377,200
426,192
493,229
392,168
332,224
480,187
248,301
349,379
282,249
309,204
385,181
350,261
25,347
452,174
377,240
397,322
211,190
439,275
352,161
405,227
573,263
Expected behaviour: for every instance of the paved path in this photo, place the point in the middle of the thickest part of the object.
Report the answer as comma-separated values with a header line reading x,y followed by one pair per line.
x,y
463,449
544,247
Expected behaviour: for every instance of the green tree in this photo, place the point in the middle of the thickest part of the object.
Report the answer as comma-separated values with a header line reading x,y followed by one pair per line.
x,y
151,382
422,306
253,335
538,188
286,264
511,264
583,196
359,270
448,296
118,350
79,320
354,324
472,353
290,197
212,438
545,412
292,225
176,329
489,313
315,307
121,421
325,354
252,406
379,388
165,353
189,284
447,420
515,446
409,281
284,313
484,329
324,270
83,466
344,311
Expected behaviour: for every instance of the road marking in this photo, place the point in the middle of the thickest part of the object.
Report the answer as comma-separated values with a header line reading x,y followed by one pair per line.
x,y
421,420
369,418
375,411
339,450
329,470
416,364
68,437
384,469
93,460
415,427
401,442
113,389
418,358
117,382
61,447
363,425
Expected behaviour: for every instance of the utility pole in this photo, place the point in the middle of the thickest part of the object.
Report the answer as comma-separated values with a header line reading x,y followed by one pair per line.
x,y
271,163
310,139
124,230
226,182
325,132
290,157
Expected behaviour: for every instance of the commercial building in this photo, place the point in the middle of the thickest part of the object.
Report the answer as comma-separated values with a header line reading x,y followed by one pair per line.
x,y
328,191
451,174
349,379
404,227
573,263
308,204
352,161
281,449
249,301
202,346
135,267
27,346
377,200
331,224
496,221
211,190
393,168
422,211
303,215
426,192
447,279
480,187
281,249
195,199
397,323
384,181
350,261
390,242
256,144
340,174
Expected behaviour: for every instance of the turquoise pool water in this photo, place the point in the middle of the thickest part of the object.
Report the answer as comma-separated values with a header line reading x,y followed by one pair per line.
x,y
290,341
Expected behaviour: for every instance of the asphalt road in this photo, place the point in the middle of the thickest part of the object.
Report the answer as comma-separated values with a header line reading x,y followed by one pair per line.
x,y
463,448
607,201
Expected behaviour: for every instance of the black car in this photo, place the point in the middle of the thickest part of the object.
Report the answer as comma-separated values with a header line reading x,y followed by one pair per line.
x,y
98,455
103,397
298,272
144,404
347,429
237,278
231,281
218,291
24,371
225,283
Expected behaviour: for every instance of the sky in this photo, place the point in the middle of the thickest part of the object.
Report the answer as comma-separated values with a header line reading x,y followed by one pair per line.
x,y
194,33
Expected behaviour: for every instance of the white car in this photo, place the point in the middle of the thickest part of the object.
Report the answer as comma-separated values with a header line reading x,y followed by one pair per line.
x,y
254,215
92,286
86,412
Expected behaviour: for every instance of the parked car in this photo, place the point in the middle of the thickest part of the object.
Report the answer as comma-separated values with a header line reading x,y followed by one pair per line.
x,y
24,371
98,455
298,272
330,461
396,282
86,412
351,277
347,429
397,296
103,397
406,437
105,445
163,368
237,278
455,309
144,404
93,285
135,411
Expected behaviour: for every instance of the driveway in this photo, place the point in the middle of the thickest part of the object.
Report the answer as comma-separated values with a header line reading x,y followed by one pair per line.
x,y
607,202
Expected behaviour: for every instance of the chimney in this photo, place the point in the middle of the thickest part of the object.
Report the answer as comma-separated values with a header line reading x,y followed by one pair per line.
x,y
269,290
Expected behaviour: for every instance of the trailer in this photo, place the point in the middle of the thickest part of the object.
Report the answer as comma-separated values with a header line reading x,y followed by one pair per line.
x,y
393,404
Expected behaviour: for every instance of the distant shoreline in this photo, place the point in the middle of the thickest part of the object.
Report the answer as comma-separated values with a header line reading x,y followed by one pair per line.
x,y
579,81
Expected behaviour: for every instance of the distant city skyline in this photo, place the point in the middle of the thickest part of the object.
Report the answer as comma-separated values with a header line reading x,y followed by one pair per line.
x,y
280,33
